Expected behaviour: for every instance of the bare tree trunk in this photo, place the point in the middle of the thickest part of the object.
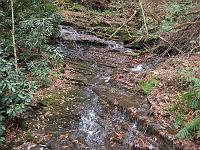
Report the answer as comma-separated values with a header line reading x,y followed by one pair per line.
x,y
13,37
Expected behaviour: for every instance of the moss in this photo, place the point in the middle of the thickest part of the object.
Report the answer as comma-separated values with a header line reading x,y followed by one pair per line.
x,y
59,99
78,7
148,85
52,98
109,30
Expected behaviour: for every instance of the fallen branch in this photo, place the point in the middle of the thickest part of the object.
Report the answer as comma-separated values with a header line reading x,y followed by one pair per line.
x,y
127,21
197,47
77,81
170,44
144,18
186,24
193,12
136,54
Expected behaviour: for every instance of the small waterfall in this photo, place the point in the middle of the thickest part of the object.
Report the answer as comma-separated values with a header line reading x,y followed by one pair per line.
x,y
71,33
71,41
90,123
96,123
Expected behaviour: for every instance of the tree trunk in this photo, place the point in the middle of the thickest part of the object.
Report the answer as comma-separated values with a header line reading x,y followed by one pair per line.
x,y
13,37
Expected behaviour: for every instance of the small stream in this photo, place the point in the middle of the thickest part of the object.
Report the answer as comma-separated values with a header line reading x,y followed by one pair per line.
x,y
94,115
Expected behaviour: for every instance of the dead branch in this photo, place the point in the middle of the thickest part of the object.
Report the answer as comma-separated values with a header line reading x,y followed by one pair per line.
x,y
197,47
127,21
193,12
144,18
186,24
170,44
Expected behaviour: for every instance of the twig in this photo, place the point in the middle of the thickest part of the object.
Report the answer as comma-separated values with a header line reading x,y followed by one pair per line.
x,y
127,21
170,44
136,54
197,47
144,18
163,54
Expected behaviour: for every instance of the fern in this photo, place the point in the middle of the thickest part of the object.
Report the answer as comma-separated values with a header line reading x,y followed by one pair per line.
x,y
188,100
178,121
189,129
192,99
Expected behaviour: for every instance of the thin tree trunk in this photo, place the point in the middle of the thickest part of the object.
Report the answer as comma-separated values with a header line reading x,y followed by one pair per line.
x,y
13,37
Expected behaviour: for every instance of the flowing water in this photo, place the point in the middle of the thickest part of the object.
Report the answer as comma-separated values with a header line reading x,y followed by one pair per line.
x,y
92,116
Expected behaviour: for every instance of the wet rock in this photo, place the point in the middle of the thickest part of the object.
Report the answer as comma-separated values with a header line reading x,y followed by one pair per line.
x,y
155,126
68,34
137,68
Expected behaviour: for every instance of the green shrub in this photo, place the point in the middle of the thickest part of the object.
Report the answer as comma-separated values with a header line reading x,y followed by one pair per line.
x,y
40,70
15,91
36,21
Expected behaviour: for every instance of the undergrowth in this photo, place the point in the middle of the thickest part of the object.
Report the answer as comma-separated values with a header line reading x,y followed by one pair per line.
x,y
188,102
174,14
36,22
148,85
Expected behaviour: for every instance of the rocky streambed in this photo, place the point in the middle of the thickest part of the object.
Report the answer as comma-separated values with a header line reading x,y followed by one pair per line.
x,y
90,108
